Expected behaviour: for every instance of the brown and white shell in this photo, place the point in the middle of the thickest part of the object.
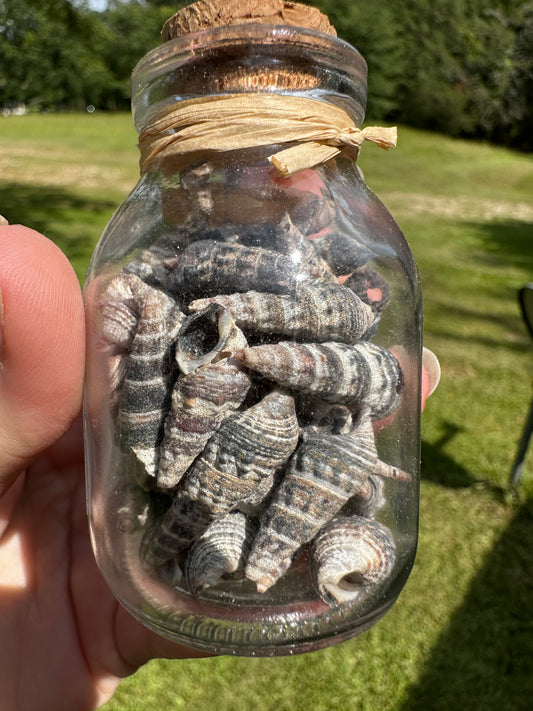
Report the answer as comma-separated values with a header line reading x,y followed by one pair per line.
x,y
148,372
350,556
210,389
326,470
119,306
219,553
317,312
246,449
208,267
362,374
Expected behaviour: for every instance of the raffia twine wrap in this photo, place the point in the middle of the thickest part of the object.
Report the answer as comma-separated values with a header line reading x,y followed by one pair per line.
x,y
320,131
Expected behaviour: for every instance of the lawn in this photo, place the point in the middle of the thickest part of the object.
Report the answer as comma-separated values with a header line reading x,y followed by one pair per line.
x,y
461,634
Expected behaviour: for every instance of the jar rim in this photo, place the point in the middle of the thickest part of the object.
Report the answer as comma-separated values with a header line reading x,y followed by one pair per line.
x,y
156,61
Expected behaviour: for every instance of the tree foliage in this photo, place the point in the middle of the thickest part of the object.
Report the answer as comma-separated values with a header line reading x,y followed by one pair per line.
x,y
464,67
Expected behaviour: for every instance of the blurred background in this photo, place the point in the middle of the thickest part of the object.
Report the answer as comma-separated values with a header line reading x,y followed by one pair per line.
x,y
457,78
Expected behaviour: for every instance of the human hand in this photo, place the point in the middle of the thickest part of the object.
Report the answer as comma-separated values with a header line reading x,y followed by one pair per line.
x,y
65,642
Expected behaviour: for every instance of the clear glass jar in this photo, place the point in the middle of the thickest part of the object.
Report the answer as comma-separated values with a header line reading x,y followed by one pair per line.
x,y
253,376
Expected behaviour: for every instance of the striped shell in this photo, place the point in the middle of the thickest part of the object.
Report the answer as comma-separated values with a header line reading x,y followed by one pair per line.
x,y
220,551
350,557
317,312
207,268
362,374
144,395
325,471
119,305
246,449
286,238
202,398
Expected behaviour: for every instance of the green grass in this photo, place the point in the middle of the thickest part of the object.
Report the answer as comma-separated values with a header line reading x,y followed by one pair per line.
x,y
461,634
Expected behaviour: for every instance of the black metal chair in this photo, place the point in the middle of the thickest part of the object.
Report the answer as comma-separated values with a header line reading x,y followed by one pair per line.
x,y
525,299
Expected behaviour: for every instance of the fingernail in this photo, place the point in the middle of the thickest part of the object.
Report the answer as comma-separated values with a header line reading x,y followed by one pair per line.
x,y
432,366
3,220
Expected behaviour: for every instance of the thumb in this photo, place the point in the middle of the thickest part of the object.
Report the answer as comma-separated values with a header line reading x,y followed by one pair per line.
x,y
41,347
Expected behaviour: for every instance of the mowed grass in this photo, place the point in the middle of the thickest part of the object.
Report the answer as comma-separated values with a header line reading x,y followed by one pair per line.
x,y
461,634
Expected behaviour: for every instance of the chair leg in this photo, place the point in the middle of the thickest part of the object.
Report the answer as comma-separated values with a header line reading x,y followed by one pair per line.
x,y
516,471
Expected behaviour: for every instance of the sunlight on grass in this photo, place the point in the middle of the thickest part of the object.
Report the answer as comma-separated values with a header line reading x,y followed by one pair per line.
x,y
461,628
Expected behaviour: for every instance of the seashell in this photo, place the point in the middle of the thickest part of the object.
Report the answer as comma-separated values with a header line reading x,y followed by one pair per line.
x,y
147,262
220,551
342,252
207,268
203,397
368,501
350,557
143,401
120,311
246,449
316,312
353,375
326,470
116,365
207,336
133,514
284,237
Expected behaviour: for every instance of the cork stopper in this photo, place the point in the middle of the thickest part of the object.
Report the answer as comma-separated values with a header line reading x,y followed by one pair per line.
x,y
206,14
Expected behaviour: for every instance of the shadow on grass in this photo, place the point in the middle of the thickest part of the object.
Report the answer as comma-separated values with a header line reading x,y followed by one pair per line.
x,y
484,658
72,221
440,468
510,241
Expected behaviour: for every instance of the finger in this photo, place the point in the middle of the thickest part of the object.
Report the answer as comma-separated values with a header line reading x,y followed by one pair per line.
x,y
41,347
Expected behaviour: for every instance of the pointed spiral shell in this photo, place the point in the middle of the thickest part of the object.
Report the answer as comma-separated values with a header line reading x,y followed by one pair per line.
x,y
211,389
144,393
316,312
246,449
208,268
362,374
326,470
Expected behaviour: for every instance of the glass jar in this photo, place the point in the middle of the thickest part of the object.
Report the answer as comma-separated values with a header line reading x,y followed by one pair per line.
x,y
252,399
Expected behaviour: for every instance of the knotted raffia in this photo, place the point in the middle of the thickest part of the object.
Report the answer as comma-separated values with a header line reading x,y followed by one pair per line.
x,y
318,130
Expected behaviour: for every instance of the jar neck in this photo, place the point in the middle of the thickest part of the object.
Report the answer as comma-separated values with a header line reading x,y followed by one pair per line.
x,y
250,58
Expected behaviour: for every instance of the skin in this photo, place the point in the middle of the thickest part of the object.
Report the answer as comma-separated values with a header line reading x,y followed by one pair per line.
x,y
65,641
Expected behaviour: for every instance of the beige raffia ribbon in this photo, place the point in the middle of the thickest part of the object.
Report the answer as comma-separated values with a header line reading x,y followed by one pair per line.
x,y
319,130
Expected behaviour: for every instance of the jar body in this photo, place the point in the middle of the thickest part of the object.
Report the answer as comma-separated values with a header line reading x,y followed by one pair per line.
x,y
252,401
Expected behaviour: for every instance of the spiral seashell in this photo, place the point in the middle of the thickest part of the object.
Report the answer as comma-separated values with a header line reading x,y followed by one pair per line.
x,y
207,268
342,252
350,557
207,336
317,312
354,375
119,306
286,238
143,399
325,471
204,396
220,551
246,449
